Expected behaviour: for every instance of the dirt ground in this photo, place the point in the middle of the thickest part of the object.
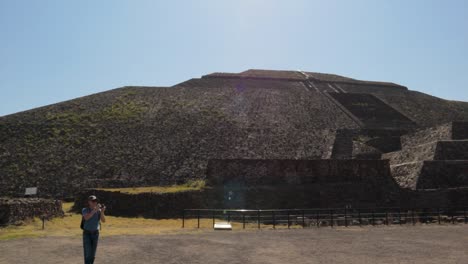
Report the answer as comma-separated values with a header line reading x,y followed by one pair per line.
x,y
420,244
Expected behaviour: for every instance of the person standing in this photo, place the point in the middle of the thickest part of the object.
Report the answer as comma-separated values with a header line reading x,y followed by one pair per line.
x,y
92,216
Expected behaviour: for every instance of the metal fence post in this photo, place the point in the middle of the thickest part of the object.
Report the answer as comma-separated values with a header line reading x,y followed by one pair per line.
x,y
318,218
438,215
213,216
453,216
258,218
399,215
303,219
243,220
274,219
331,218
412,216
359,216
198,218
373,217
464,214
183,218
386,216
422,216
43,222
346,217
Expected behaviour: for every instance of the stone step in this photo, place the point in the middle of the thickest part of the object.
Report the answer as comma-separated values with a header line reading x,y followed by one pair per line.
x,y
435,174
343,145
373,112
437,150
449,131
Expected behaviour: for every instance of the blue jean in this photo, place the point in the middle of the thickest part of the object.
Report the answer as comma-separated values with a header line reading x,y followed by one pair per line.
x,y
90,241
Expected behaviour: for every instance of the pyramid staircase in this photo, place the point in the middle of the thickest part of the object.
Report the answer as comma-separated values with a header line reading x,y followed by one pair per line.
x,y
433,158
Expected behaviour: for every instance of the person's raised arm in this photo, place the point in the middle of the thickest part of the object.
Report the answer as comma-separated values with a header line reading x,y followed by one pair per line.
x,y
103,216
90,214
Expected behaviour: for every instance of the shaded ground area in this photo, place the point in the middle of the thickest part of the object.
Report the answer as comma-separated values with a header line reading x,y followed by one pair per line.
x,y
421,244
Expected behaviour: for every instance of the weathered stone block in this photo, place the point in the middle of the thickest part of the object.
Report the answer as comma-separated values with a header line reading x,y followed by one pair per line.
x,y
15,210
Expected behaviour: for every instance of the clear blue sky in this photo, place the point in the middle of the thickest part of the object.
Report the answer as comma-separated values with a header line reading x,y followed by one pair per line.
x,y
52,51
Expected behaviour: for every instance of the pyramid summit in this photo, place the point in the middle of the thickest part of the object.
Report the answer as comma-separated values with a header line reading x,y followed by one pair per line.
x,y
145,136
296,76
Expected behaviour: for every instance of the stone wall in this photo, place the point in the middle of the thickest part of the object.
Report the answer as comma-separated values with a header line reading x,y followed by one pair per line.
x,y
443,174
15,210
295,172
431,174
149,205
286,184
262,184
452,150
441,198
302,183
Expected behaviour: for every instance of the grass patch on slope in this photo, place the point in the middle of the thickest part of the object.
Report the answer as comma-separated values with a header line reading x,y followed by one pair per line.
x,y
190,186
121,110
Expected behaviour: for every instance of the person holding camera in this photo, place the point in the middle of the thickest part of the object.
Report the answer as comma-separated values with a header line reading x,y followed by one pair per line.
x,y
93,215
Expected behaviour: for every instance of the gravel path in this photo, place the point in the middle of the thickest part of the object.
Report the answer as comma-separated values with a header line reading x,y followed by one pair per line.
x,y
423,244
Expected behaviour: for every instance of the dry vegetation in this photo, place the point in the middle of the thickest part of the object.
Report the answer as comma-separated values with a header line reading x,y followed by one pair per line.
x,y
190,186
70,226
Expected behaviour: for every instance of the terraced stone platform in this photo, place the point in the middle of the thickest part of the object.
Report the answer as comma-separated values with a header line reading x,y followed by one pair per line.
x,y
432,158
437,150
436,174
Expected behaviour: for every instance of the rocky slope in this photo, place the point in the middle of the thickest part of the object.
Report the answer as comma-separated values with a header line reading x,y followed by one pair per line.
x,y
165,135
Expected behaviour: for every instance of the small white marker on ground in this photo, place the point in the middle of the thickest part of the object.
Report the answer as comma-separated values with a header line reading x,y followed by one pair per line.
x,y
222,226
